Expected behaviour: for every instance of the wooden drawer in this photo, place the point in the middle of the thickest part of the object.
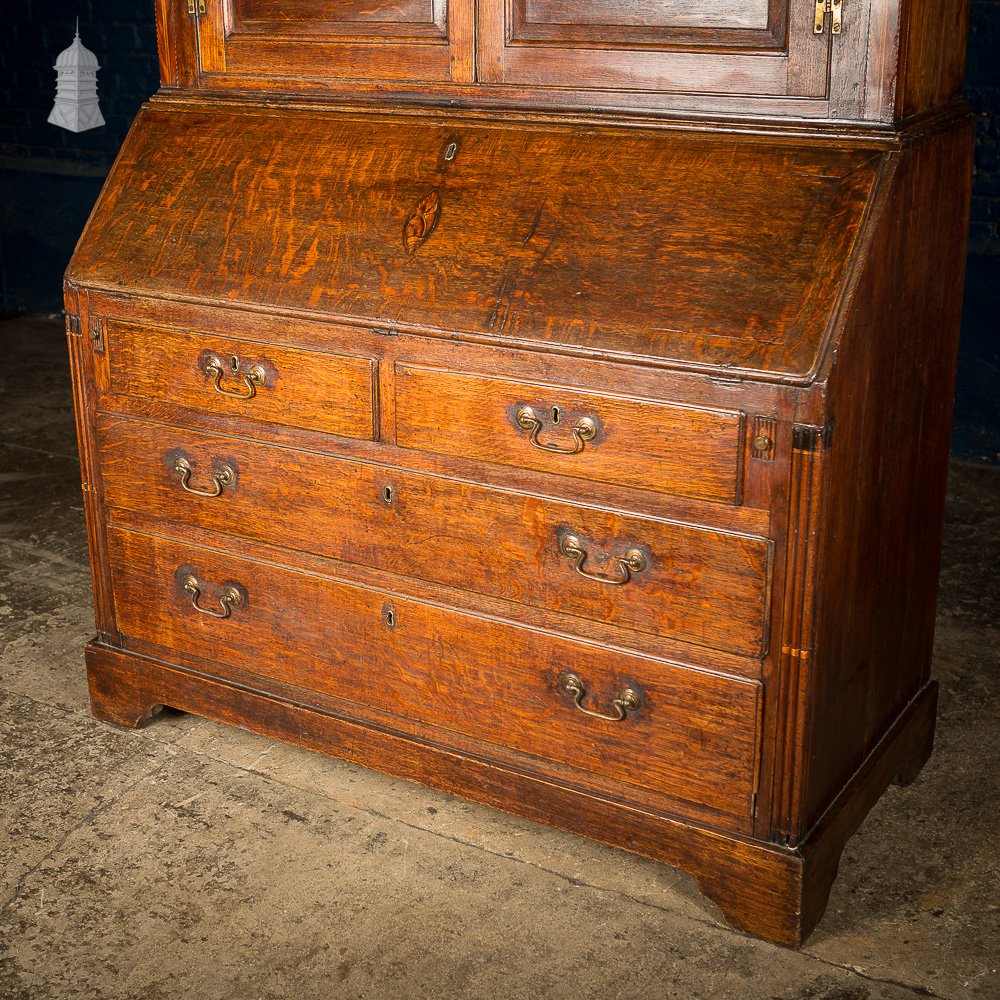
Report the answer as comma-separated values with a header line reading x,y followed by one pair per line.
x,y
307,389
661,577
684,450
693,735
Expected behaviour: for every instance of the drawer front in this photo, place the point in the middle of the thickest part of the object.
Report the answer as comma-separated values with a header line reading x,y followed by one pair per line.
x,y
644,444
704,586
254,381
689,735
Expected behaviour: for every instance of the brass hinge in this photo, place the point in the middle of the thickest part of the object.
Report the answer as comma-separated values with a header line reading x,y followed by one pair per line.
x,y
196,6
73,324
823,7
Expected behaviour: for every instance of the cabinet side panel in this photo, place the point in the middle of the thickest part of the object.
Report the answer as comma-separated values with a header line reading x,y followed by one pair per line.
x,y
890,397
82,330
932,56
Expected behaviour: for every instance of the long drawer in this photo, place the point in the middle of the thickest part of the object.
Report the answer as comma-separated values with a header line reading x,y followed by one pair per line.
x,y
682,733
240,378
669,579
641,443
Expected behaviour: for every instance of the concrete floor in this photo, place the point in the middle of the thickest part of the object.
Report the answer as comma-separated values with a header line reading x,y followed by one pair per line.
x,y
190,859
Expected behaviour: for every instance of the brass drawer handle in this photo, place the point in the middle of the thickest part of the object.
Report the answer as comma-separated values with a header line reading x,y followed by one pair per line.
x,y
214,367
626,701
634,561
224,477
230,599
584,430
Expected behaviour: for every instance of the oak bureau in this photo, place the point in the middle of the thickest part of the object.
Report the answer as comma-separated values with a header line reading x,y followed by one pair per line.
x,y
545,402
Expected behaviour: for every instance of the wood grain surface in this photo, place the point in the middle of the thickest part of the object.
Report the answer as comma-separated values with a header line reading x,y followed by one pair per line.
x,y
662,246
693,736
746,47
307,389
705,586
643,443
410,41
893,58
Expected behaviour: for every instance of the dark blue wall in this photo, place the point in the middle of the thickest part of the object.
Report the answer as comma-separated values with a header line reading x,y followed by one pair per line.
x,y
122,36
50,178
977,391
982,86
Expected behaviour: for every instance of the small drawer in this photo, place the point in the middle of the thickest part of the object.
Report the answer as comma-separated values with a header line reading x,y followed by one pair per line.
x,y
667,448
668,729
665,578
246,379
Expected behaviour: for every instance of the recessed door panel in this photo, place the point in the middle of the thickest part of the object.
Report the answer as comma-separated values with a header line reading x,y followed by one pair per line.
x,y
743,22
746,47
323,18
407,41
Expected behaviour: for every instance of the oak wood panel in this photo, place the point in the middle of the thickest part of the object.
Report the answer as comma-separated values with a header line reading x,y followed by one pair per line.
x,y
890,399
777,53
596,782
309,16
755,24
644,107
932,54
712,391
703,586
897,758
704,14
356,58
242,673
894,58
323,392
621,242
644,503
693,736
560,364
652,445
571,627
399,40
600,68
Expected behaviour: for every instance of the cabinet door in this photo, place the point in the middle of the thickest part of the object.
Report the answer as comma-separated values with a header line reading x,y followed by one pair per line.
x,y
406,41
701,48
